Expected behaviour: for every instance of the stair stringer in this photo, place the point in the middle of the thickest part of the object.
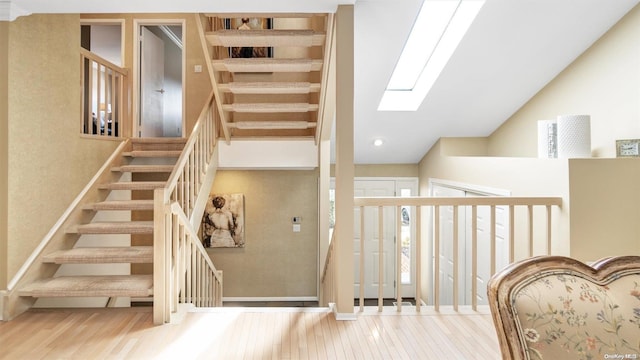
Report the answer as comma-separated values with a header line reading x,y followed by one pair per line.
x,y
11,304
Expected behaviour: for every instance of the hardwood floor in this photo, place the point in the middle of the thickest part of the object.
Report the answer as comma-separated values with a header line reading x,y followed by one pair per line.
x,y
248,333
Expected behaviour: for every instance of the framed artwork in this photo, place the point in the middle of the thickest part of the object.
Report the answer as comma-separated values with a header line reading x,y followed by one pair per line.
x,y
223,221
254,23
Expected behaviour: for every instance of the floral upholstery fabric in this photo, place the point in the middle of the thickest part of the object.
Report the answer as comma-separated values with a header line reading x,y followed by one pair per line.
x,y
568,316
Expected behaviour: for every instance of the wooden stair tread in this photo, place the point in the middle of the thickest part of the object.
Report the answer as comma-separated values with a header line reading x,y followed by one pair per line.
x,y
272,125
91,286
264,15
266,65
266,37
160,144
102,255
153,153
159,140
144,168
133,185
124,227
270,107
269,87
121,205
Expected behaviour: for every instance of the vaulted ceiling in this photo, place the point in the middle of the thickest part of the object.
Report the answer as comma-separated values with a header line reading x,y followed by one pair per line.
x,y
512,50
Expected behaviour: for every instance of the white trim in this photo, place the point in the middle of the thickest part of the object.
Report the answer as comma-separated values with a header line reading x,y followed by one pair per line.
x,y
135,101
484,190
342,316
9,11
276,298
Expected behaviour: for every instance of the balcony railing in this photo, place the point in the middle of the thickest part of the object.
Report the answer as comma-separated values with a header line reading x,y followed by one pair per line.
x,y
105,96
529,233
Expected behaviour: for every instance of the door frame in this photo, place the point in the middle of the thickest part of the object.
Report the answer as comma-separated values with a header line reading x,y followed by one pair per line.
x,y
137,24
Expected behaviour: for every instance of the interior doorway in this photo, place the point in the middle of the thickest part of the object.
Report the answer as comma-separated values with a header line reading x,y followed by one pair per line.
x,y
160,74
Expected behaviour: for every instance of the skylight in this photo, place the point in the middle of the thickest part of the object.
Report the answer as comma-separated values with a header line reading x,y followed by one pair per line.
x,y
435,35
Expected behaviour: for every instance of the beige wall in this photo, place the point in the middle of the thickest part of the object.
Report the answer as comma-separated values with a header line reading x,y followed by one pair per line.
x,y
519,176
197,86
603,82
604,207
384,170
48,162
4,142
275,262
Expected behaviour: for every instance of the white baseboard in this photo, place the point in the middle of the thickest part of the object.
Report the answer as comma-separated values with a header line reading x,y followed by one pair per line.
x,y
284,298
342,316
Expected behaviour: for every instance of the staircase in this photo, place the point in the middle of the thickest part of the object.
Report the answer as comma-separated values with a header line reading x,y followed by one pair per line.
x,y
278,91
145,167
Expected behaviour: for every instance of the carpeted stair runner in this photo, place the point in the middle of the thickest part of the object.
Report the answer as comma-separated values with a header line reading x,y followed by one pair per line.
x,y
102,255
91,286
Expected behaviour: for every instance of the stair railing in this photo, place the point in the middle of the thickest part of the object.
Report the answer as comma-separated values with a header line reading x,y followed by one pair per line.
x,y
183,272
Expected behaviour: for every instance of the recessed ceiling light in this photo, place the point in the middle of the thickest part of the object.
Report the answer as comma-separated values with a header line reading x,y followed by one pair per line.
x,y
435,35
378,142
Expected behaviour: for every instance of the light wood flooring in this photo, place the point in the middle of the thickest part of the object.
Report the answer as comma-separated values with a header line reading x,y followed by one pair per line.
x,y
248,333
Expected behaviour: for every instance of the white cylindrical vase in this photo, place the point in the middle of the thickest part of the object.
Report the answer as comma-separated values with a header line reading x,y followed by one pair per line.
x,y
574,136
547,139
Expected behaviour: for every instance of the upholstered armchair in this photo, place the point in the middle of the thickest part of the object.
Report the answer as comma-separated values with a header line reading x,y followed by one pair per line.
x,y
553,307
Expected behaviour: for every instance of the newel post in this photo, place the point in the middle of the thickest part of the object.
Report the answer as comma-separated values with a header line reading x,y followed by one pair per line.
x,y
161,312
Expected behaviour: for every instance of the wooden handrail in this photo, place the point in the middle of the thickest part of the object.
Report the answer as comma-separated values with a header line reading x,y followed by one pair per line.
x,y
97,58
457,201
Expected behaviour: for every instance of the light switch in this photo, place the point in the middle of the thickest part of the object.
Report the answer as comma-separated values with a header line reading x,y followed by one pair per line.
x,y
197,68
296,227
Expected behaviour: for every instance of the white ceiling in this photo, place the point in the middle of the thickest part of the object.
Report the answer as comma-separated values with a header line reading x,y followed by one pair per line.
x,y
512,50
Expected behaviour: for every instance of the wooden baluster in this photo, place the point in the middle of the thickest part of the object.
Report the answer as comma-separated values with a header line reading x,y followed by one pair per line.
x,y
177,232
362,240
436,258
492,238
474,257
418,257
512,231
456,264
530,223
380,257
549,250
399,258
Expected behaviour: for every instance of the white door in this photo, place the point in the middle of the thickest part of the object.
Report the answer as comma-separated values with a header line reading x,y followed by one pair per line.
x,y
465,239
447,261
152,91
484,248
372,238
